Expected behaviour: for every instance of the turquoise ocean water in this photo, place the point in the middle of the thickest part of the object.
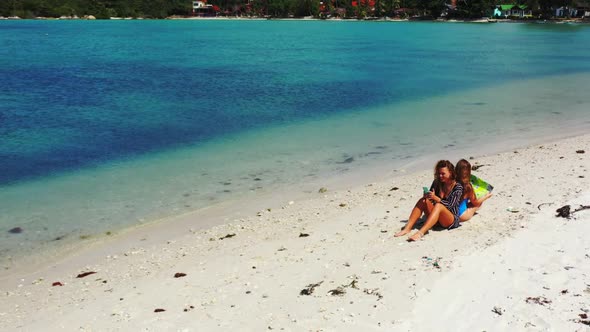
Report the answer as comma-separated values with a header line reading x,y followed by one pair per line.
x,y
109,124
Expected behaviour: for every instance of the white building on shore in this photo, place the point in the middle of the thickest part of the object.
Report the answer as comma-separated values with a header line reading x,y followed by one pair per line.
x,y
202,8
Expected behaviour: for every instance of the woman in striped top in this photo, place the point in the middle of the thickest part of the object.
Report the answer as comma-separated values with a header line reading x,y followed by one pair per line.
x,y
440,203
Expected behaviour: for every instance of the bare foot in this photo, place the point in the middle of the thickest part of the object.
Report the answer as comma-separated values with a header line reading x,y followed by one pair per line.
x,y
401,233
417,236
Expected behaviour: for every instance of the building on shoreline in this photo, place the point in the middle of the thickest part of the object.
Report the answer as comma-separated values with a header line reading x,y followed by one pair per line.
x,y
203,9
508,11
581,12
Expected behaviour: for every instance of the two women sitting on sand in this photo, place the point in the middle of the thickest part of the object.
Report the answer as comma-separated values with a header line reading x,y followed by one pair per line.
x,y
450,200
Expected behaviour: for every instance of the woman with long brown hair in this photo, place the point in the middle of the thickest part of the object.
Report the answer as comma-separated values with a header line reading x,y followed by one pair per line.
x,y
469,203
440,203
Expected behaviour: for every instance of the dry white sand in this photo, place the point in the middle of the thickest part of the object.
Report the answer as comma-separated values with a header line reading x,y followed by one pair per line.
x,y
477,277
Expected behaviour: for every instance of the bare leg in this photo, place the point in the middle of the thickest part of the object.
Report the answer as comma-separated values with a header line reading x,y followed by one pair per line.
x,y
470,212
422,206
439,214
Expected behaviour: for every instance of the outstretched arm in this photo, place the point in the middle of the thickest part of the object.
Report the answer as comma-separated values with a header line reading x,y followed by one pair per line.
x,y
477,202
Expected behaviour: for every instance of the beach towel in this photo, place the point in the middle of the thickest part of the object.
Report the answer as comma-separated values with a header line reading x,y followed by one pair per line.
x,y
480,187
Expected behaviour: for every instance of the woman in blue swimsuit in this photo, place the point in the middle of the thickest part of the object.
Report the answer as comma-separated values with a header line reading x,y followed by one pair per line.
x,y
469,203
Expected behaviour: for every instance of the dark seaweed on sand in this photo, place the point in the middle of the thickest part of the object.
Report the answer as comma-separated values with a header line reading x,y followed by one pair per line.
x,y
85,274
309,289
565,211
228,236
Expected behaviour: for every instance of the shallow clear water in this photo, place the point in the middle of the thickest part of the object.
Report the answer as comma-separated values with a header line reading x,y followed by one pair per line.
x,y
108,124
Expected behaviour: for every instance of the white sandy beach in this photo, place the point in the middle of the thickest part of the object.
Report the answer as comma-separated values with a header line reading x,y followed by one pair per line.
x,y
514,266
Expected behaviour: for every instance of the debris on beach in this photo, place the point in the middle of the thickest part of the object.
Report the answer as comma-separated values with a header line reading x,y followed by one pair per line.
x,y
309,289
159,310
580,151
341,290
434,262
394,189
85,274
228,236
353,283
189,308
540,300
179,275
303,235
476,167
583,315
539,206
565,211
373,291
323,190
57,283
497,310
16,230
512,209
342,204
338,291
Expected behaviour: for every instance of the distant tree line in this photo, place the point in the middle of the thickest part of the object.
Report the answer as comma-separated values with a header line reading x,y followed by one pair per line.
x,y
102,9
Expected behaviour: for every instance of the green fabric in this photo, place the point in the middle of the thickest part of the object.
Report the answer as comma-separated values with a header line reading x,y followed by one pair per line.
x,y
506,7
480,187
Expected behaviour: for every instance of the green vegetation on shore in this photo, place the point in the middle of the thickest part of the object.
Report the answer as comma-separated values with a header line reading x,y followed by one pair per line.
x,y
104,9
101,9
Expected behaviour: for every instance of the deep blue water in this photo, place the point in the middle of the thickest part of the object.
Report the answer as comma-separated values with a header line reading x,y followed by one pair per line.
x,y
79,93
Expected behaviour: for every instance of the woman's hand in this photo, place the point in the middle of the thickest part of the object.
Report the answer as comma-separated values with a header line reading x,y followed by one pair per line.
x,y
431,196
